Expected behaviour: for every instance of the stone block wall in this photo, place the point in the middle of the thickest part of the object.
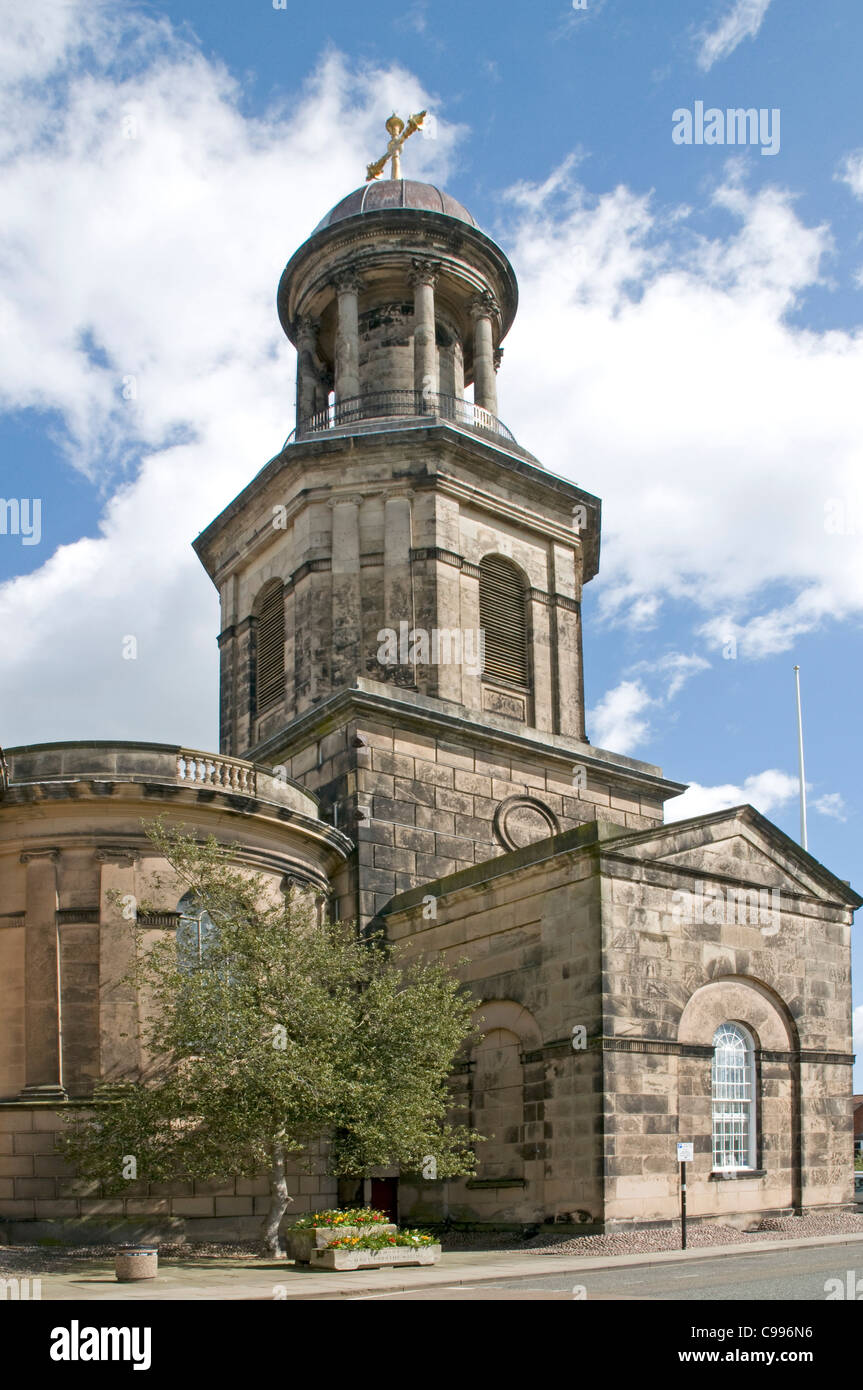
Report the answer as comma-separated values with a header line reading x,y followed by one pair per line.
x,y
38,1186
528,937
589,928
425,804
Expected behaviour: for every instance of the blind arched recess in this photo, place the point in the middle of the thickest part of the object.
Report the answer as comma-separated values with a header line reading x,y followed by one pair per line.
x,y
503,617
269,611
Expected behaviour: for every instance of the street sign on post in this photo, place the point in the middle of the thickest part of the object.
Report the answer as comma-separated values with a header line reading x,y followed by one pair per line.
x,y
685,1154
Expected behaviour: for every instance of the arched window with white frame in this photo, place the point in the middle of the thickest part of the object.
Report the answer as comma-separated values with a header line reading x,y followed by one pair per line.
x,y
733,1092
195,928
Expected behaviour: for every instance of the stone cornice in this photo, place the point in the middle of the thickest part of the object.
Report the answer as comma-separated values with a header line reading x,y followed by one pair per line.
x,y
670,1047
660,867
437,433
507,510
430,715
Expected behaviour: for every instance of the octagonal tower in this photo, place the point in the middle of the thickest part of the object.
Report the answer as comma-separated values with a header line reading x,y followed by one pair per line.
x,y
401,585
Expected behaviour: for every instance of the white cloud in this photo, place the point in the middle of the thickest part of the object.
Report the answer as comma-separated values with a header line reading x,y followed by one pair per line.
x,y
158,257
766,791
851,172
616,722
832,804
742,21
709,493
706,475
676,668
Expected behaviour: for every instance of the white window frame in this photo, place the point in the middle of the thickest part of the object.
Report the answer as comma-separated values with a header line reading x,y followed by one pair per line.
x,y
201,918
733,1104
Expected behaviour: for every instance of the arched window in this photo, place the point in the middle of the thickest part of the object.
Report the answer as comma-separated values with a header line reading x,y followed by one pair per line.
x,y
194,929
503,619
733,1088
269,613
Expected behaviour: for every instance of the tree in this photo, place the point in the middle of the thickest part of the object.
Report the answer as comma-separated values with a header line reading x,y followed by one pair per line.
x,y
276,1031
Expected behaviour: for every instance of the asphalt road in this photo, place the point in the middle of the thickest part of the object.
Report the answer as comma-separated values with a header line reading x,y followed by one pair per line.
x,y
792,1275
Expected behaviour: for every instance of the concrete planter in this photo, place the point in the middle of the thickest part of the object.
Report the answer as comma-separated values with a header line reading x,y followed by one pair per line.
x,y
376,1259
301,1243
135,1262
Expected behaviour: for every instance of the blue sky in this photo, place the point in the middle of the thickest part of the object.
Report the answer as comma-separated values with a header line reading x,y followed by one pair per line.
x,y
688,345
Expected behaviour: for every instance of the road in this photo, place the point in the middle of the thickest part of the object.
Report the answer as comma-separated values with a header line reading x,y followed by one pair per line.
x,y
792,1275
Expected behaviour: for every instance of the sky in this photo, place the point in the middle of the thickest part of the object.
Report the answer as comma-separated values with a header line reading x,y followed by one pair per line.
x,y
688,344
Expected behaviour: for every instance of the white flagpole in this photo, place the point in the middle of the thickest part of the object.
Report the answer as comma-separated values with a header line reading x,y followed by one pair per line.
x,y
800,758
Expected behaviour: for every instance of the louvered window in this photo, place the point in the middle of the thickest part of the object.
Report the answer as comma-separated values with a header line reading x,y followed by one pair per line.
x,y
270,645
503,618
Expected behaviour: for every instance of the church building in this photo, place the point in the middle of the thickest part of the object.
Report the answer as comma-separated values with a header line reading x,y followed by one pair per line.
x,y
402,729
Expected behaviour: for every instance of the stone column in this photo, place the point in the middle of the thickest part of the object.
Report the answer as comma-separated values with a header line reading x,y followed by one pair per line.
x,y
228,667
118,1002
568,690
423,278
307,375
398,589
347,382
43,1074
483,311
347,598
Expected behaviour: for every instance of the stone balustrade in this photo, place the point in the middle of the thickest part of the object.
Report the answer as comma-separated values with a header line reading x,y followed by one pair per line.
x,y
154,763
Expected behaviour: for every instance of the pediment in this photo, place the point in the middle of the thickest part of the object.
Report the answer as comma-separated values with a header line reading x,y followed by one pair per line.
x,y
742,845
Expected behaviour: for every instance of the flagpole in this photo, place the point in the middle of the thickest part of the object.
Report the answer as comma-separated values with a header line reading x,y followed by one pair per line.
x,y
803,838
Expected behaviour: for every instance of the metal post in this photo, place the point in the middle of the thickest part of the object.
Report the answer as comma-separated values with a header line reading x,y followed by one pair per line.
x,y
683,1206
803,838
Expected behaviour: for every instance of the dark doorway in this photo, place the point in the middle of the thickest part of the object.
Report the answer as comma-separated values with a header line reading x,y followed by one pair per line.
x,y
385,1197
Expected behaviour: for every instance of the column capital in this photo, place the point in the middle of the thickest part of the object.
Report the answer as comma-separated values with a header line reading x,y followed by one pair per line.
x,y
27,855
484,306
120,855
345,501
347,281
306,327
423,272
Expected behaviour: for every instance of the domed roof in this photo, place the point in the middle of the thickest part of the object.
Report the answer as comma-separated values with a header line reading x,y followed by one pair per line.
x,y
395,193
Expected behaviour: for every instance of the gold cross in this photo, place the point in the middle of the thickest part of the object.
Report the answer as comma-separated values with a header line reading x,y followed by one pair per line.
x,y
399,132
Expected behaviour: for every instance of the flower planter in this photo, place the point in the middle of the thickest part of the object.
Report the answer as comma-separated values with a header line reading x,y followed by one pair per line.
x,y
301,1243
375,1259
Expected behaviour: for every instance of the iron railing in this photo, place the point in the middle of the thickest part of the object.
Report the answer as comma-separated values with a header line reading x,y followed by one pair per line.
x,y
384,405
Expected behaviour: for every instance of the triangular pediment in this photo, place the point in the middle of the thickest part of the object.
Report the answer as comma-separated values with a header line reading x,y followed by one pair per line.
x,y
742,845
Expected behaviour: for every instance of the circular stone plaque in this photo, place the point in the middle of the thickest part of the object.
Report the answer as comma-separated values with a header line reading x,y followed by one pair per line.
x,y
521,820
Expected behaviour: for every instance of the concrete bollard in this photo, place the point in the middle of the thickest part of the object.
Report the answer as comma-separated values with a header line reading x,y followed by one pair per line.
x,y
134,1262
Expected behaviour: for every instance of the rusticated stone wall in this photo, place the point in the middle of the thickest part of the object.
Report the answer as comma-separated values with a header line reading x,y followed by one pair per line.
x,y
594,930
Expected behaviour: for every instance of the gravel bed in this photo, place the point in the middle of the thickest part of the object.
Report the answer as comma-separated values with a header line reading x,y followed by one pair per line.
x,y
53,1259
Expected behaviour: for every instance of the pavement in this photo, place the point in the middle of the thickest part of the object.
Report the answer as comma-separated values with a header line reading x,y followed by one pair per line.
x,y
266,1280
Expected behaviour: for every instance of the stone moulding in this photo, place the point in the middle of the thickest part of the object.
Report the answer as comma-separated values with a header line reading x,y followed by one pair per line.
x,y
376,1259
301,1243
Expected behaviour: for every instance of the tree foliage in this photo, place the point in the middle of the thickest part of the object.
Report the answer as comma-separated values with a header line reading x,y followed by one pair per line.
x,y
284,1032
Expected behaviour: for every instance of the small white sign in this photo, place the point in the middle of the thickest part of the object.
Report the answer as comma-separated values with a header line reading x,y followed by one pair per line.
x,y
685,1153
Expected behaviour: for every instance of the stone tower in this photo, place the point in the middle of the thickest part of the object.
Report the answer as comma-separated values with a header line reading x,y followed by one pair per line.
x,y
401,585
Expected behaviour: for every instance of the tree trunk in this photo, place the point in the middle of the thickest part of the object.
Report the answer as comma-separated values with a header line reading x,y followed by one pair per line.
x,y
279,1199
